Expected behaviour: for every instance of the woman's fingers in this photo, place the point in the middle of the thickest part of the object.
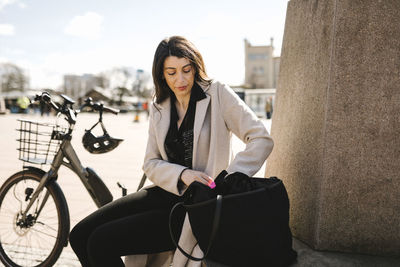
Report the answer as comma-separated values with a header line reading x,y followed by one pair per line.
x,y
205,177
189,176
200,177
208,180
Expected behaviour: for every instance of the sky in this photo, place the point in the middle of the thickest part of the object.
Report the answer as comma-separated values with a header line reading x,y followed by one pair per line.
x,y
49,38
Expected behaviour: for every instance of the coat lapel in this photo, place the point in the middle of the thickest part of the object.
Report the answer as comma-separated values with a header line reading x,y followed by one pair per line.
x,y
162,125
201,110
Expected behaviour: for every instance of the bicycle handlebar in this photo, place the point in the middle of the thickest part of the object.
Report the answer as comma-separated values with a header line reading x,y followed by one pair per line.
x,y
67,110
97,106
46,98
64,109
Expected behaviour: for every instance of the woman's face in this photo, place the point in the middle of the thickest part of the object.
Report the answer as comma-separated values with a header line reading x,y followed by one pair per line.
x,y
179,74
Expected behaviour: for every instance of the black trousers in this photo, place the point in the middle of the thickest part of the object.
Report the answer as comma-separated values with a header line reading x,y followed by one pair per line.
x,y
134,224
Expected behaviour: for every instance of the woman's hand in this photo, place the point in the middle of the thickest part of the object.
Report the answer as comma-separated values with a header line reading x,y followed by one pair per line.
x,y
188,176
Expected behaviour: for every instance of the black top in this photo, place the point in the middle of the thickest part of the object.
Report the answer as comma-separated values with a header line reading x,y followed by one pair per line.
x,y
179,142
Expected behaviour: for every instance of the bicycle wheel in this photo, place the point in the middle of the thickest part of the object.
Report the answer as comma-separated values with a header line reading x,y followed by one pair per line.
x,y
38,239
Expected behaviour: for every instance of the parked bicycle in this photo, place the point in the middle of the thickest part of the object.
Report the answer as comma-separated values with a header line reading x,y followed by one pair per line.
x,y
34,216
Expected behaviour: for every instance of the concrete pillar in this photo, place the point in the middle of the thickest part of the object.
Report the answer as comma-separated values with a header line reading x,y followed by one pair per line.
x,y
336,124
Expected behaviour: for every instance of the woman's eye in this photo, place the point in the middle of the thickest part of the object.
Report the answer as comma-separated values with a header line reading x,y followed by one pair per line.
x,y
187,70
170,74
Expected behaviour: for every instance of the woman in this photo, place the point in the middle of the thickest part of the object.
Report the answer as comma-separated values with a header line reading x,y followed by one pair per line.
x,y
190,129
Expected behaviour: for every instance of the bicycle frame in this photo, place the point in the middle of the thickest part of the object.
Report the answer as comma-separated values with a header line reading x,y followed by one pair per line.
x,y
92,182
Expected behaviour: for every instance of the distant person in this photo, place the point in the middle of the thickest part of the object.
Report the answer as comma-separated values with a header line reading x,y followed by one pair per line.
x,y
268,108
23,104
44,108
146,108
190,127
9,104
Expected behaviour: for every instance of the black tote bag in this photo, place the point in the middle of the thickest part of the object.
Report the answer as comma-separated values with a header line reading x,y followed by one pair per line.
x,y
242,222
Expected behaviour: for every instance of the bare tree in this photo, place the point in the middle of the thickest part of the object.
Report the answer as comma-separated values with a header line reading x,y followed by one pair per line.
x,y
12,78
142,86
121,77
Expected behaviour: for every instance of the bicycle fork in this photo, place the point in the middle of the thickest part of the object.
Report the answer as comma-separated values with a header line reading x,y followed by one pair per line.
x,y
35,195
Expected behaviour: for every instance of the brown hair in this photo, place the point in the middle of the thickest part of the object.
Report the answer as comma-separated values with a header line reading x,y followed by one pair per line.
x,y
179,47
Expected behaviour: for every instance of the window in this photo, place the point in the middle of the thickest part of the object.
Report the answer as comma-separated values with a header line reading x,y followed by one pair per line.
x,y
258,70
258,56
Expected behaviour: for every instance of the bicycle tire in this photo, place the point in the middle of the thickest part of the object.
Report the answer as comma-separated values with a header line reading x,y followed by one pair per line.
x,y
38,241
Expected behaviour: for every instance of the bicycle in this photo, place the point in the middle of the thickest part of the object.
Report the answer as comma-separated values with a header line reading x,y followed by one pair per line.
x,y
34,215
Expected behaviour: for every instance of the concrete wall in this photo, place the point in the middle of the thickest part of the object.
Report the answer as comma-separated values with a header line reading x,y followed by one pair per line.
x,y
336,124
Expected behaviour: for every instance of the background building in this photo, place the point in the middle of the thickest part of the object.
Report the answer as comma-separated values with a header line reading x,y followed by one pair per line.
x,y
77,86
261,67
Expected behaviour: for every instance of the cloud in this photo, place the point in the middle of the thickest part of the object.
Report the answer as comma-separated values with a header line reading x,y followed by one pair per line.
x,y
6,29
16,51
4,3
86,26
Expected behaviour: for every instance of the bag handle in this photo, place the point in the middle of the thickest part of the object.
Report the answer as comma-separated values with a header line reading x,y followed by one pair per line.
x,y
217,216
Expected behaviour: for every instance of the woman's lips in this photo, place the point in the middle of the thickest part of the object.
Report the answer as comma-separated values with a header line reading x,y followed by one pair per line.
x,y
182,88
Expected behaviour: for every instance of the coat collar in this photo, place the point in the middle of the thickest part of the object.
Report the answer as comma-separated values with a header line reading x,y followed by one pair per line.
x,y
162,123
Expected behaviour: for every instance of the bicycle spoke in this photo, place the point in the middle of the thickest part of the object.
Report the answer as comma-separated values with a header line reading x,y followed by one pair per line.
x,y
44,233
10,234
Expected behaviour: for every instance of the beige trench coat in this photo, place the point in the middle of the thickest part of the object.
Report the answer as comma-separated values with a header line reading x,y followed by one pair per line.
x,y
218,115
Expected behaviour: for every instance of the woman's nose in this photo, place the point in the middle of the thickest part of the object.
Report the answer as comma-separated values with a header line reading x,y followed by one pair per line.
x,y
179,77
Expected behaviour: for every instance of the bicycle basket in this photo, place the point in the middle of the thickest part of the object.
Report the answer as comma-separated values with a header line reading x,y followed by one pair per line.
x,y
38,142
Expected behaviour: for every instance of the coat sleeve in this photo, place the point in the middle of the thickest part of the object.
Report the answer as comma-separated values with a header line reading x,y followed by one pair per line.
x,y
161,172
242,121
